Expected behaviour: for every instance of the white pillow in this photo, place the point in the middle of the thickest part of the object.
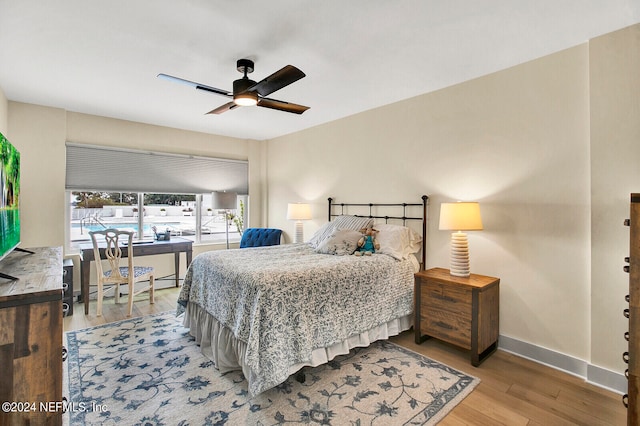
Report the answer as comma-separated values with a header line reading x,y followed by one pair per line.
x,y
397,241
342,242
321,234
341,222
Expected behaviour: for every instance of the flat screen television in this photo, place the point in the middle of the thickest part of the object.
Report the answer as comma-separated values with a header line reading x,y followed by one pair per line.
x,y
9,197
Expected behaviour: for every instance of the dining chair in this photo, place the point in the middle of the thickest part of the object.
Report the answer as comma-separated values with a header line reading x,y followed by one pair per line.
x,y
111,242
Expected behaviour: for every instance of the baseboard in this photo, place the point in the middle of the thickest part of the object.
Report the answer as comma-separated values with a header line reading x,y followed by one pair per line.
x,y
593,374
607,379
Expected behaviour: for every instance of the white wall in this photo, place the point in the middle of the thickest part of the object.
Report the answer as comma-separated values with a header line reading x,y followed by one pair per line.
x,y
39,132
615,173
4,111
518,141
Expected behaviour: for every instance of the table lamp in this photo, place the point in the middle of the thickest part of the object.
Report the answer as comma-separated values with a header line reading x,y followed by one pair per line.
x,y
458,217
298,212
224,201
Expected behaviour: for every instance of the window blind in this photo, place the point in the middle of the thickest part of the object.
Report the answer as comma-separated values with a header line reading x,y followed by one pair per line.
x,y
94,168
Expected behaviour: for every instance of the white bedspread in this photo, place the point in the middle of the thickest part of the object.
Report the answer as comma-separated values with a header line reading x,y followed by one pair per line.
x,y
285,301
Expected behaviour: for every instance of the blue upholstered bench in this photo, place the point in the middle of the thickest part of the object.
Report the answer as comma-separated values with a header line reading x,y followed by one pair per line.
x,y
258,237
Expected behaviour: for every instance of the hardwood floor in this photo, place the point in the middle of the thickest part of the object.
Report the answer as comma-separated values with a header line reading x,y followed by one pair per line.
x,y
513,390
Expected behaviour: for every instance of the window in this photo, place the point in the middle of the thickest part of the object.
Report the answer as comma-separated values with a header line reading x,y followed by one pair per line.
x,y
176,213
152,192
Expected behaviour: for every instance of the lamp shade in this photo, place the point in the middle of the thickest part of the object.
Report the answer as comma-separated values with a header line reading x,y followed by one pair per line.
x,y
461,216
298,211
224,200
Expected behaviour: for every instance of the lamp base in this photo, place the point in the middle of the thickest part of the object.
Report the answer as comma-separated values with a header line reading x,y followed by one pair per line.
x,y
459,257
298,237
226,222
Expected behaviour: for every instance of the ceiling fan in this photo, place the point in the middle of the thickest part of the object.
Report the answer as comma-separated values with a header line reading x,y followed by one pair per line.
x,y
247,92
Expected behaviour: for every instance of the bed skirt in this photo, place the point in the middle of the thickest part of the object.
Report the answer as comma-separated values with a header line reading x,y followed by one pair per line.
x,y
219,345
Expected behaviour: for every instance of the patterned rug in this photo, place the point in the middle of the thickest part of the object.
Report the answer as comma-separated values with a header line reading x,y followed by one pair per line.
x,y
149,371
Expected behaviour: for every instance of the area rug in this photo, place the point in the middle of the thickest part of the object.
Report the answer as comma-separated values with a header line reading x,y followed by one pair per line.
x,y
149,371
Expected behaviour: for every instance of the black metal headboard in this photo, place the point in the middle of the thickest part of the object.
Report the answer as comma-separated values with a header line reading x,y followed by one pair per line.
x,y
404,218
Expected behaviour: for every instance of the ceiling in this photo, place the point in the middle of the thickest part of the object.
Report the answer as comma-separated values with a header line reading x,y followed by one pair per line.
x,y
102,57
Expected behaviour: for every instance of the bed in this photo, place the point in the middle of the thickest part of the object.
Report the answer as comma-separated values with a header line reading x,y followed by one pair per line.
x,y
270,311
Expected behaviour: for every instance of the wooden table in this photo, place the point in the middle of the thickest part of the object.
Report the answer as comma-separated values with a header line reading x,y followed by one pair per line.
x,y
175,245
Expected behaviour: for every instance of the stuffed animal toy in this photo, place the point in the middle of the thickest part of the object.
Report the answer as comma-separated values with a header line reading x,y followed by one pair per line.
x,y
367,244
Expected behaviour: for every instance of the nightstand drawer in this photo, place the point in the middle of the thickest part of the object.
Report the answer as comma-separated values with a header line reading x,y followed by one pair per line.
x,y
441,323
453,299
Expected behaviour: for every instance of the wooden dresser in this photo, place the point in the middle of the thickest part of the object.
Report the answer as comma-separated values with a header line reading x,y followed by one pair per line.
x,y
632,356
462,311
31,338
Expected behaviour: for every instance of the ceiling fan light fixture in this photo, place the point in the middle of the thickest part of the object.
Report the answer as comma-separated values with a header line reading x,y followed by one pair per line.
x,y
246,99
241,96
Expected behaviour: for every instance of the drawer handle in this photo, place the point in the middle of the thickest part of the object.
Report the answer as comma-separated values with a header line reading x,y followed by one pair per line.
x,y
444,325
65,354
65,308
65,287
626,336
625,357
626,268
625,400
627,298
445,298
626,313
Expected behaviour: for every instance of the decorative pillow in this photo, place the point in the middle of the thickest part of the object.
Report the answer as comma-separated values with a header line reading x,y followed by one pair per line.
x,y
341,222
397,241
342,242
324,232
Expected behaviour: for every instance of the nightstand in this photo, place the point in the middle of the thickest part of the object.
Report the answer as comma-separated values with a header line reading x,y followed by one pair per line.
x,y
462,311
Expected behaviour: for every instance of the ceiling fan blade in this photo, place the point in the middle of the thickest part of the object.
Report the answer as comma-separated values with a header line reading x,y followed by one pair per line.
x,y
198,86
223,108
282,105
277,80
